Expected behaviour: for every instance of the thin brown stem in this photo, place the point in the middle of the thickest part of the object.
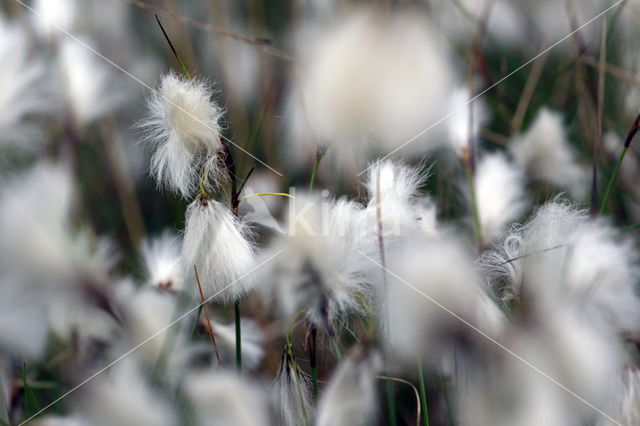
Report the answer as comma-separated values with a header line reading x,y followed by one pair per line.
x,y
415,392
206,315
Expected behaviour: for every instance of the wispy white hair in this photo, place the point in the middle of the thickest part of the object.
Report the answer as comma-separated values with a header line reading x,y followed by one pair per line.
x,y
292,393
252,340
226,399
350,397
319,268
500,195
626,399
23,92
183,129
217,244
546,155
561,256
466,119
161,261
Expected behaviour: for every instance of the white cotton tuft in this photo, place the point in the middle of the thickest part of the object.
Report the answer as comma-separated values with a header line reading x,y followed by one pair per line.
x,y
466,119
51,17
374,77
292,398
183,129
432,290
500,195
546,155
226,399
350,397
561,257
217,244
161,260
23,92
393,189
626,399
125,397
89,88
318,267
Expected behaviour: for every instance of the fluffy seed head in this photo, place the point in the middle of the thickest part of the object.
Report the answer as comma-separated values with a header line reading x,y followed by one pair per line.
x,y
161,257
183,129
217,244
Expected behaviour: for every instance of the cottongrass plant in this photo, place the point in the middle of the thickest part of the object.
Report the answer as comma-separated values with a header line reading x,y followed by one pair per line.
x,y
350,280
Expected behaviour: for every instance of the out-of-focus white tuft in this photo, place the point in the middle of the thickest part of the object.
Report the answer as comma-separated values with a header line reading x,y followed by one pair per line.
x,y
226,399
350,396
89,87
393,189
465,121
217,244
374,77
161,259
626,399
52,16
252,340
562,257
23,91
432,290
291,396
319,268
500,195
545,153
183,129
125,397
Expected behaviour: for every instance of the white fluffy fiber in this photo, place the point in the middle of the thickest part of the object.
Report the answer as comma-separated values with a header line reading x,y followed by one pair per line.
x,y
161,261
350,397
183,129
23,90
546,155
226,399
500,195
218,245
561,257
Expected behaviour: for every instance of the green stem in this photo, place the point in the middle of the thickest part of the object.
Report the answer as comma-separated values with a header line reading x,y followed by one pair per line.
x,y
474,202
423,395
311,346
238,336
612,181
391,404
316,165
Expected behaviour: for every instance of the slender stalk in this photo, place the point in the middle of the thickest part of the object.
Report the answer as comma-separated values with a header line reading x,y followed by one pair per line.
x,y
173,49
312,340
206,315
612,181
319,155
238,336
195,324
474,201
391,404
423,395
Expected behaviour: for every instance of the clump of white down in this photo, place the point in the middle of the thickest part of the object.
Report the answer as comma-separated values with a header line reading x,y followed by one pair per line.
x,y
563,257
161,261
23,92
500,195
318,267
183,129
375,77
544,152
216,244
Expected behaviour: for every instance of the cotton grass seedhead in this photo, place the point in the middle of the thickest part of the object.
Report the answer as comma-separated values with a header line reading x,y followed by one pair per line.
x,y
393,193
23,92
52,16
546,155
218,244
292,392
226,399
466,118
562,257
500,195
319,268
89,87
626,399
350,397
161,261
183,129
376,76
